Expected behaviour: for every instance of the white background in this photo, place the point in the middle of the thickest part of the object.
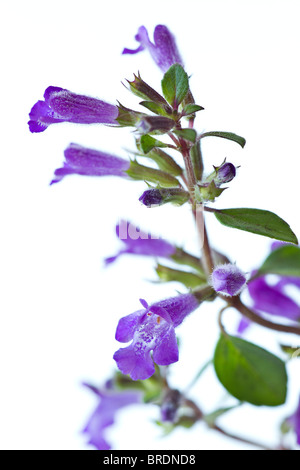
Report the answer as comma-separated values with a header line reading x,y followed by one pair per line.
x,y
60,306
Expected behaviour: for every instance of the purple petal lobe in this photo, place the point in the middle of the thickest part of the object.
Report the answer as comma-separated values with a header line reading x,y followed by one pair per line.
x,y
166,352
137,363
128,325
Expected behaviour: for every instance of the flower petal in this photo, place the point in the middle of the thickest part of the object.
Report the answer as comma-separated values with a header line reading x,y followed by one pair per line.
x,y
139,367
166,352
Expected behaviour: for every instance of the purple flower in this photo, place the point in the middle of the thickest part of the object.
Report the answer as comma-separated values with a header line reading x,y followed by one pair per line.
x,y
61,105
164,50
271,299
228,279
152,329
140,243
294,422
89,162
104,415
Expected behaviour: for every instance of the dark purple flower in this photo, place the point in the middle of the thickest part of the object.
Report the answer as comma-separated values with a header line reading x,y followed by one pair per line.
x,y
152,329
294,422
61,105
164,50
89,162
104,415
140,243
228,279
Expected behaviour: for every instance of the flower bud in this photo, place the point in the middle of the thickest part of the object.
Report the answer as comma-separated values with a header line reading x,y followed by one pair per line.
x,y
225,173
145,91
154,123
228,279
160,196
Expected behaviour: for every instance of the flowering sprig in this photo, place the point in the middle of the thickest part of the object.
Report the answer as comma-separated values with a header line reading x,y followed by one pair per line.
x,y
165,134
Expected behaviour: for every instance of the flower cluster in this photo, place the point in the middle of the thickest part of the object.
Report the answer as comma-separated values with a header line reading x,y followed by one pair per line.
x,y
165,135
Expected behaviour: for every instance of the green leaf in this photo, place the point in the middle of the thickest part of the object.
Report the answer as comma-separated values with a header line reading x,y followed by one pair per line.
x,y
190,280
191,109
196,157
257,221
187,134
157,108
226,135
147,143
175,85
144,173
284,261
249,372
164,161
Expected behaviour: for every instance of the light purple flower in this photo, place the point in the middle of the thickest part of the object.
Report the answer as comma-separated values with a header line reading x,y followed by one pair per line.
x,y
152,329
228,279
163,51
294,422
140,243
272,300
104,415
62,105
84,161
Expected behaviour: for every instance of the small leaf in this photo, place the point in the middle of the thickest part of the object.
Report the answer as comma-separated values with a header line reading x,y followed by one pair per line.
x,y
175,85
148,143
190,280
292,351
284,261
226,135
191,109
157,108
250,373
257,221
187,134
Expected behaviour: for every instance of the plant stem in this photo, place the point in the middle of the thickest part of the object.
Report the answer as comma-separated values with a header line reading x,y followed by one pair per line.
x,y
248,313
199,415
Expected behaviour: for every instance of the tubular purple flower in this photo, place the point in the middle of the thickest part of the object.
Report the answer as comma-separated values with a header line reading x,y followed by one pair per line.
x,y
228,279
62,105
88,162
140,243
163,51
152,329
104,415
